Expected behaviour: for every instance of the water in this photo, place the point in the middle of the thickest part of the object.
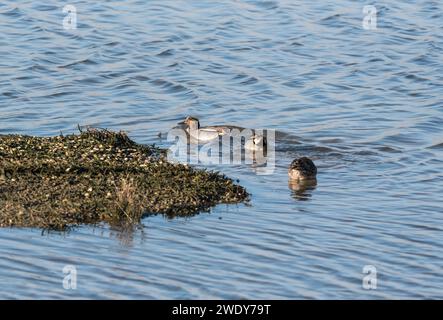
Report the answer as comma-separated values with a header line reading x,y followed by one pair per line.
x,y
366,106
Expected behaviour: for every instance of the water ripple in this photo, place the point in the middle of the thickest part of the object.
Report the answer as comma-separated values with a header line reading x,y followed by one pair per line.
x,y
365,105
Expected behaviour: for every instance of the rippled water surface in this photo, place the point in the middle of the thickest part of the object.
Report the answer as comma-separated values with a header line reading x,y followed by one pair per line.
x,y
365,105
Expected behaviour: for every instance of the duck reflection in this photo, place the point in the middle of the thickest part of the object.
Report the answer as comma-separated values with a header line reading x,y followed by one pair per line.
x,y
302,178
302,190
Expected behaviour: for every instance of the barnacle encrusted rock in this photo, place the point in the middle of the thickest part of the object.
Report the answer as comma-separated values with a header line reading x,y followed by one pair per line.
x,y
99,175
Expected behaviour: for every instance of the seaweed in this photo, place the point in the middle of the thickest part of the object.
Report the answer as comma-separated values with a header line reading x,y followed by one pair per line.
x,y
100,176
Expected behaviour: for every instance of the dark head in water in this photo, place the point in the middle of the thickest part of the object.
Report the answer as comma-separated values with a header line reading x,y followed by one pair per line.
x,y
302,169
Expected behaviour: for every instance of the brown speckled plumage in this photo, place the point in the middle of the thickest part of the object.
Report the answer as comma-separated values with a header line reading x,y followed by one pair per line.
x,y
302,169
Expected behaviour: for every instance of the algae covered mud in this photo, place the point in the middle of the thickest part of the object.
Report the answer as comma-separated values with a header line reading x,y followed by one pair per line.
x,y
96,176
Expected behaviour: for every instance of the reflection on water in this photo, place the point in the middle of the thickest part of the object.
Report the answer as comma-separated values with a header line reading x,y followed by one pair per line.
x,y
302,190
365,105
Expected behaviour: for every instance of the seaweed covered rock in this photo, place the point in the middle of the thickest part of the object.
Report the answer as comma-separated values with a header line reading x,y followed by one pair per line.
x,y
96,176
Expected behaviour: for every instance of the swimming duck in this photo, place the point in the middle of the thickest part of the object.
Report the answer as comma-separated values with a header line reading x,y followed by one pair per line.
x,y
256,142
302,169
204,134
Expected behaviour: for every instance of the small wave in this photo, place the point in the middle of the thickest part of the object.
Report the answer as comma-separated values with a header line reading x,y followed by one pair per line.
x,y
80,62
388,149
334,20
15,12
250,80
166,53
10,94
37,67
141,78
112,44
332,17
436,146
268,5
60,94
296,83
45,7
123,85
169,86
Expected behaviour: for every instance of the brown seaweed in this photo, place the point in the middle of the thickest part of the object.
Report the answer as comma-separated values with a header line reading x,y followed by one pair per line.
x,y
100,176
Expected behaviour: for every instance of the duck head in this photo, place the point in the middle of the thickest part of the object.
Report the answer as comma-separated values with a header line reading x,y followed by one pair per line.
x,y
256,142
302,169
191,123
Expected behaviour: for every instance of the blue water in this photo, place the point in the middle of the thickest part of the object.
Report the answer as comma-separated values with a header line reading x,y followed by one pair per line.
x,y
365,105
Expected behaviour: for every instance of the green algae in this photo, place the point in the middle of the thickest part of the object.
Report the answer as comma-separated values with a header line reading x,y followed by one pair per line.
x,y
100,176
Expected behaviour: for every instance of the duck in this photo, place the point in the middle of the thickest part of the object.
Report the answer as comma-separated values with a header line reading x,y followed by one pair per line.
x,y
256,142
302,169
205,134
